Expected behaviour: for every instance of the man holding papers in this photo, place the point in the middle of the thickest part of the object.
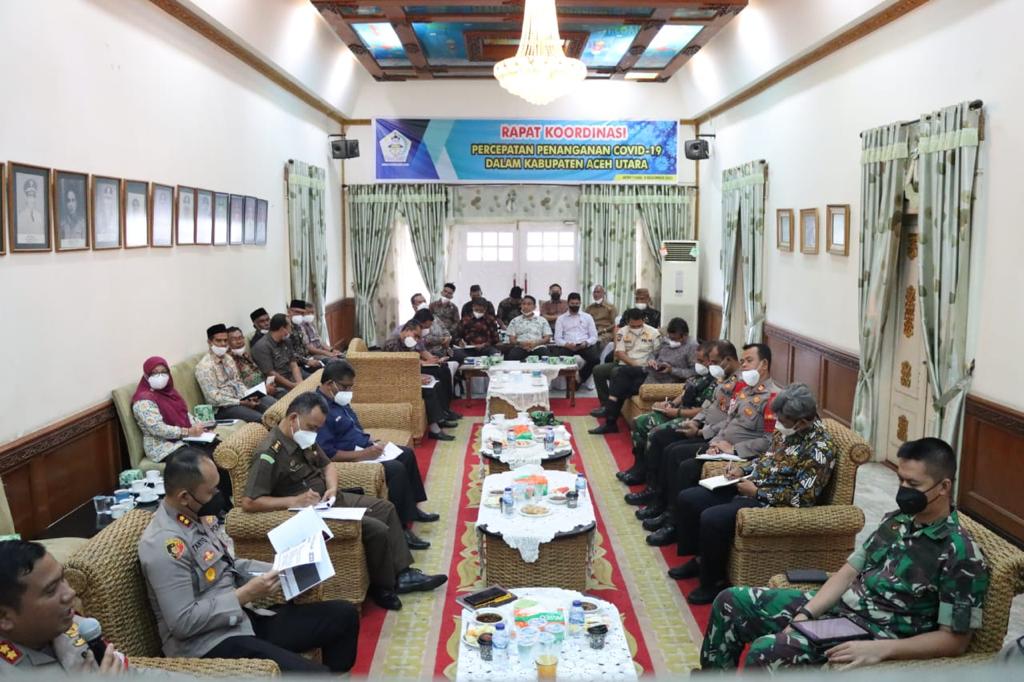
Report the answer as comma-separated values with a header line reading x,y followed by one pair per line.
x,y
792,473
221,383
201,595
290,470
343,439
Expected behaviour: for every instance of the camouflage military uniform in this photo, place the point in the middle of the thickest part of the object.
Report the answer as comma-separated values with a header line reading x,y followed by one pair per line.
x,y
699,391
911,580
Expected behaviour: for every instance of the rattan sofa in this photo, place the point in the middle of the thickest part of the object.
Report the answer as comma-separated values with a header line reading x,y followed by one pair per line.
x,y
249,531
649,394
772,540
107,576
388,378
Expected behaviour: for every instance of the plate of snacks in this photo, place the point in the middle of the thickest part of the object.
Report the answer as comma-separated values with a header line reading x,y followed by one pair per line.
x,y
534,510
557,498
473,632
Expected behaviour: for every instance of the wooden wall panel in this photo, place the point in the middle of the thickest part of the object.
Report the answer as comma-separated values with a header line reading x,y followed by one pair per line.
x,y
709,326
340,316
806,368
839,384
991,477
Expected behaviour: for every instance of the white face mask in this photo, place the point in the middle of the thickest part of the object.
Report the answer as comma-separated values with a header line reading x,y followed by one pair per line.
x,y
785,431
598,301
641,306
296,319
219,351
674,344
477,315
751,377
446,298
422,306
263,331
343,398
528,315
238,351
304,439
700,369
410,342
308,319
717,372
158,382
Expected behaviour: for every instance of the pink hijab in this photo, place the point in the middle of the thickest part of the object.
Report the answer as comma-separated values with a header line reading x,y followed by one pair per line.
x,y
172,406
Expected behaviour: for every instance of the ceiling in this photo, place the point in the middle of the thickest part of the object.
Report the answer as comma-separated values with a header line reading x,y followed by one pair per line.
x,y
399,40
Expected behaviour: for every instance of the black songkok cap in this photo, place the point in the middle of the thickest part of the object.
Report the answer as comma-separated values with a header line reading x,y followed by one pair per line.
x,y
298,303
259,312
216,329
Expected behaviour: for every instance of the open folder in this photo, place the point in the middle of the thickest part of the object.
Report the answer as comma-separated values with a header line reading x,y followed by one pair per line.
x,y
301,547
716,482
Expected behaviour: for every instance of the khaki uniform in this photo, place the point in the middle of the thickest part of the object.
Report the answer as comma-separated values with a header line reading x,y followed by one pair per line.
x,y
68,652
716,410
750,422
280,468
638,346
604,315
191,579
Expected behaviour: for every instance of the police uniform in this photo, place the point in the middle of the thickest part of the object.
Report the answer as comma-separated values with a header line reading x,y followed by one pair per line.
x,y
69,652
280,468
911,579
639,345
191,579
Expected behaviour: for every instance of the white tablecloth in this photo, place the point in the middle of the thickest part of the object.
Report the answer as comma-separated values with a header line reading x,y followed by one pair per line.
x,y
527,534
521,391
576,661
550,371
516,457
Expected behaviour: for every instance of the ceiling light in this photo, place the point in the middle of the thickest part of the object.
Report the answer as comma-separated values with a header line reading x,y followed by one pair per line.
x,y
540,72
641,75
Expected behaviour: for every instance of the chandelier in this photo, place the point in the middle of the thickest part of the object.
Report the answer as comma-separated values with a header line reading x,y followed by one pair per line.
x,y
540,72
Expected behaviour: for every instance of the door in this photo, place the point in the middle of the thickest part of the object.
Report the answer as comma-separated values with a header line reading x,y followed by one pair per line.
x,y
909,393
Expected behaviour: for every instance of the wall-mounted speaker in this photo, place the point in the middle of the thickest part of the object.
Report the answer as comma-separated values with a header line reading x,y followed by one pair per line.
x,y
342,148
696,150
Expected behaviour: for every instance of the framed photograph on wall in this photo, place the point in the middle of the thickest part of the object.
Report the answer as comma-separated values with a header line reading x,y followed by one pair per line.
x,y
838,228
204,216
261,221
71,210
249,231
808,230
185,224
784,229
162,216
136,214
106,212
28,207
237,211
220,219
3,210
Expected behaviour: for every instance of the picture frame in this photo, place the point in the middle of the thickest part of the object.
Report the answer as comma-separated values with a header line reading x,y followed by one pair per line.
x,y
3,209
262,208
784,229
105,217
161,216
71,208
838,229
185,216
220,219
236,212
29,215
135,214
204,217
249,221
809,230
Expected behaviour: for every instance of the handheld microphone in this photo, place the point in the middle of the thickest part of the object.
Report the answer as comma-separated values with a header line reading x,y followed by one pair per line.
x,y
92,632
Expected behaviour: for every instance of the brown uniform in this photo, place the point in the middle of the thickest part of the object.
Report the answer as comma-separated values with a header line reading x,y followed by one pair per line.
x,y
604,315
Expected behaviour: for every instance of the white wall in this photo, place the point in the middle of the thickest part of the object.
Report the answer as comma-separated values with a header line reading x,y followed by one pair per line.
x,y
807,128
119,87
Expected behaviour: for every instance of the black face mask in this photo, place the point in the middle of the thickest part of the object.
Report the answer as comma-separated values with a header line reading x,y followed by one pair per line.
x,y
555,297
911,500
574,309
212,507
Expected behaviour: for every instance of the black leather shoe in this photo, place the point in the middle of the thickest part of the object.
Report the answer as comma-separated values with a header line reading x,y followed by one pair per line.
x,y
425,517
691,569
649,512
630,478
452,415
645,496
655,522
622,475
607,427
386,599
440,435
705,595
598,412
665,535
415,580
448,424
415,541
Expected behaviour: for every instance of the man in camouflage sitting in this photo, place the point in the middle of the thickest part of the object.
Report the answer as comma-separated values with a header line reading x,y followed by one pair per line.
x,y
917,585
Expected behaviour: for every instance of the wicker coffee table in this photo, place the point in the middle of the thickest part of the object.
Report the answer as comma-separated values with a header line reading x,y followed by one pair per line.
x,y
558,461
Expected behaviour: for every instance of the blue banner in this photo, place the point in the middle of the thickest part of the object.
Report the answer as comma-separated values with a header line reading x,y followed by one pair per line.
x,y
469,150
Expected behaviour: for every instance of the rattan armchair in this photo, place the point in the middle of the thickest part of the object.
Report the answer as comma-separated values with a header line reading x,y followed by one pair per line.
x,y
275,413
249,531
772,540
389,378
107,575
645,399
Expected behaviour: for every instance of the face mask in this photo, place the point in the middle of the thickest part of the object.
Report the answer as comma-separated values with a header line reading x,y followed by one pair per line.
x,y
219,351
674,344
574,309
343,398
296,319
784,431
637,330
422,306
304,439
238,351
641,306
477,315
263,331
555,297
446,298
701,370
308,319
912,500
717,372
410,342
528,315
751,377
598,301
158,382
211,507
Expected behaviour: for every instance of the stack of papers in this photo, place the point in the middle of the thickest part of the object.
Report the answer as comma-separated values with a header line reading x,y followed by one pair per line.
x,y
720,457
206,437
391,451
302,559
716,482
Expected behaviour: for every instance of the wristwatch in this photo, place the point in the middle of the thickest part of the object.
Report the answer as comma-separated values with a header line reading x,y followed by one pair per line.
x,y
803,610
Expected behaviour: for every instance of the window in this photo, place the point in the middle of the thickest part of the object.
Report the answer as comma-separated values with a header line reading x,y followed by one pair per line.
x,y
553,246
489,247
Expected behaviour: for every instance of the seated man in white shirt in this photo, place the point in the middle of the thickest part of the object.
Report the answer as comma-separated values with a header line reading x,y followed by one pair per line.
x,y
576,334
529,333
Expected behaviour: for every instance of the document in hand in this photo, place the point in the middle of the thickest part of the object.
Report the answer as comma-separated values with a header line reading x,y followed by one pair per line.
x,y
390,452
720,457
302,559
259,391
716,482
206,437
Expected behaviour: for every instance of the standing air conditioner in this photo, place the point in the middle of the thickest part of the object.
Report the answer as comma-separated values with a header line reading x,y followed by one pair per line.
x,y
680,281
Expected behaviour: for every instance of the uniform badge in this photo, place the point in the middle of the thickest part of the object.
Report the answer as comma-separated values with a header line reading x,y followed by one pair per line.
x,y
276,446
760,387
211,574
72,631
266,458
208,556
756,399
175,547
743,395
184,520
80,642
748,411
9,652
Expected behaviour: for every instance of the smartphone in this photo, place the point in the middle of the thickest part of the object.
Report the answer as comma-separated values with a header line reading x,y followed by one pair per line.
x,y
806,575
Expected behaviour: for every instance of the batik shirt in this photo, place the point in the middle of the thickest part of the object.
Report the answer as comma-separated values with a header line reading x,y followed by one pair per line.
x,y
529,328
447,313
297,341
480,332
508,310
219,380
797,471
248,372
312,336
159,438
912,579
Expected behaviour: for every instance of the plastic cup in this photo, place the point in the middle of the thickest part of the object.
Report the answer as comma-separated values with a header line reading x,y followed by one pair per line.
x,y
547,666
102,503
486,644
596,635
556,630
525,643
122,495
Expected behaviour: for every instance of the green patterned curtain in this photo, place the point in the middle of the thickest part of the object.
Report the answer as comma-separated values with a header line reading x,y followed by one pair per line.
x,y
424,207
607,235
371,211
743,219
505,203
883,171
667,213
947,166
307,236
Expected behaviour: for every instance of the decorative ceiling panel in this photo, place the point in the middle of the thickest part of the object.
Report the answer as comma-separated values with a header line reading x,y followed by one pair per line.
x,y
669,41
